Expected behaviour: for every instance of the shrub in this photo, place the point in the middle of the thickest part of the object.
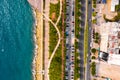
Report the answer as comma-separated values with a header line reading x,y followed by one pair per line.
x,y
94,1
93,57
94,21
117,7
94,14
93,50
97,34
94,5
93,68
96,41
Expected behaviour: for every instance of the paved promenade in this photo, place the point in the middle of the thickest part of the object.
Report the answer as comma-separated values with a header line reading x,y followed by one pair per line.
x,y
37,4
46,39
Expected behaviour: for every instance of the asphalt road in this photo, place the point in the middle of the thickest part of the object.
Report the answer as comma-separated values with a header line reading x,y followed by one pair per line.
x,y
88,77
81,38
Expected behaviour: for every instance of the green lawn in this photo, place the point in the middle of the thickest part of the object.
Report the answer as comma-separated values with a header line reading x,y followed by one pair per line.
x,y
55,66
77,34
55,8
85,44
53,39
93,68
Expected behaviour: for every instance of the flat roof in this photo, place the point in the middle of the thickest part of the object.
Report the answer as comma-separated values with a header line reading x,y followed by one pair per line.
x,y
104,43
114,59
104,31
113,4
103,1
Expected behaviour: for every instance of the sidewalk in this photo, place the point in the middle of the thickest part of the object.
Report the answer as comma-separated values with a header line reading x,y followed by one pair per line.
x,y
46,39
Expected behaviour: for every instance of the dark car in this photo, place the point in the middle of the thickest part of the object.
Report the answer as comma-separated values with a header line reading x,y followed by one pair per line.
x,y
89,2
73,13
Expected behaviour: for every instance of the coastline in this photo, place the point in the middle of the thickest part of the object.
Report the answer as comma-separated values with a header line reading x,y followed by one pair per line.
x,y
36,70
35,44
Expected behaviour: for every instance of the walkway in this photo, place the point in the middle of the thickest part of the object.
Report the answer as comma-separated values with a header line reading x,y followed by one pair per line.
x,y
63,41
46,39
37,4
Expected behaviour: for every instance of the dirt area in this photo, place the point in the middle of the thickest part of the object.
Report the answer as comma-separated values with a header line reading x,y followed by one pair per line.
x,y
107,70
53,16
54,1
108,12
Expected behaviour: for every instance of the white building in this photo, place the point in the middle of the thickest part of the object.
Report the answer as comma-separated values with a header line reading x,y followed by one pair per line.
x,y
114,59
113,4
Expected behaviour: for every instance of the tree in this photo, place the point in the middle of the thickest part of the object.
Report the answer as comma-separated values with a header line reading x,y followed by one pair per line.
x,y
117,7
96,41
93,57
94,14
93,50
94,21
93,68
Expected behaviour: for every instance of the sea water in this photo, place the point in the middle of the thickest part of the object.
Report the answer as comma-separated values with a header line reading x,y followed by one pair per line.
x,y
16,40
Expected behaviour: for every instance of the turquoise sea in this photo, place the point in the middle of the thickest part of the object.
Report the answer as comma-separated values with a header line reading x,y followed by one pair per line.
x,y
16,40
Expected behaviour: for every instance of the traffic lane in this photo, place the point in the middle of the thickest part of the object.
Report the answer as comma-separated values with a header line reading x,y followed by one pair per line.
x,y
81,65
83,8
81,48
83,1
88,58
83,15
88,77
90,11
81,42
82,19
81,70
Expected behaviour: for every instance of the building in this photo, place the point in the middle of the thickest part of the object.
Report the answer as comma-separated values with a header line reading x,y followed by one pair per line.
x,y
103,56
114,59
113,4
110,42
104,1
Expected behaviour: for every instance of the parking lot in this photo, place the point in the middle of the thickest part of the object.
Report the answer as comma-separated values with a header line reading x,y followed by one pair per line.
x,y
70,36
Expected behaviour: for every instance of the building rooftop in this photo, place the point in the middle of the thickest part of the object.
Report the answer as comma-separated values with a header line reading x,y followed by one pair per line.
x,y
113,4
110,42
114,59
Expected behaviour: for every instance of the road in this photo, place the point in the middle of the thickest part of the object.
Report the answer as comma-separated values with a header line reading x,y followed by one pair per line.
x,y
88,77
81,38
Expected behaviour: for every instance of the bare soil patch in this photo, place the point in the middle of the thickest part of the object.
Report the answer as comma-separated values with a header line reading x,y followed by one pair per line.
x,y
54,1
53,16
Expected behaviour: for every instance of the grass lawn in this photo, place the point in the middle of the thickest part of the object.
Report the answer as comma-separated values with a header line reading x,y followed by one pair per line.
x,y
55,70
77,35
85,44
55,67
54,11
53,39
